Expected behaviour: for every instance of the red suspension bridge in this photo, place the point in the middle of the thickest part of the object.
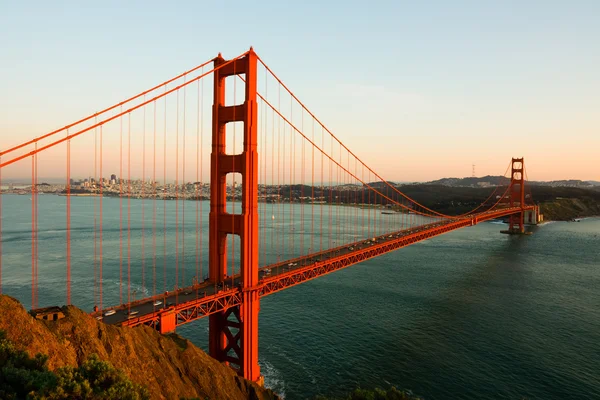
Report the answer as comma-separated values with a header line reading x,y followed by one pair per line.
x,y
207,226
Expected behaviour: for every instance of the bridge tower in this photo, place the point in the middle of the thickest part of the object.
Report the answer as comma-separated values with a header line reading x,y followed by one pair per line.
x,y
233,333
517,195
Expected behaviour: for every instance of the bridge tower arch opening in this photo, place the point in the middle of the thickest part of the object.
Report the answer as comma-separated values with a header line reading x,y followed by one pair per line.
x,y
233,333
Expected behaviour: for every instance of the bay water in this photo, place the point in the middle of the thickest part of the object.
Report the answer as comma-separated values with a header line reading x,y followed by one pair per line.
x,y
473,314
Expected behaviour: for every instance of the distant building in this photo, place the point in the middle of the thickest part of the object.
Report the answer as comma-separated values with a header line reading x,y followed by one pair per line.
x,y
48,314
113,177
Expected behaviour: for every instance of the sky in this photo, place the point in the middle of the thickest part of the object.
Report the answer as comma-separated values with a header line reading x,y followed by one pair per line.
x,y
418,90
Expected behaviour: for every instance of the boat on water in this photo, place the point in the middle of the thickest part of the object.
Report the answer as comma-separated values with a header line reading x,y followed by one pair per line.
x,y
388,212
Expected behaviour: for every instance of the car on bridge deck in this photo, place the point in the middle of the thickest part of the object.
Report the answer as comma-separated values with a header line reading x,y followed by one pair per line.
x,y
264,272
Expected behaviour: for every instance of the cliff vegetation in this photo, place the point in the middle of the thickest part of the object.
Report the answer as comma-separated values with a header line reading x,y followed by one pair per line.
x,y
80,357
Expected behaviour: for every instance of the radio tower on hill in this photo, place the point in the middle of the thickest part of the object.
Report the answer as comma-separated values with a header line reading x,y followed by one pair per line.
x,y
473,173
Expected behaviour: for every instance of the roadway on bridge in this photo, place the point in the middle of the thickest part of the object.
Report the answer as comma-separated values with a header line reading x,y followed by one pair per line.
x,y
184,295
271,272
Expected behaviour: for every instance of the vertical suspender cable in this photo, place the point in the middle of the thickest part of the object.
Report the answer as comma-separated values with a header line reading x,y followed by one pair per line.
x,y
362,192
264,149
273,235
142,194
101,201
322,194
330,197
129,212
183,190
68,220
95,213
284,214
197,184
154,204
121,212
302,190
273,180
292,178
279,168
201,179
338,209
177,194
33,230
312,192
165,197
37,259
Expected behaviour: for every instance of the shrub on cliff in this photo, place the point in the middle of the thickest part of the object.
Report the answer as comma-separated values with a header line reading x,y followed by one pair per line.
x,y
24,377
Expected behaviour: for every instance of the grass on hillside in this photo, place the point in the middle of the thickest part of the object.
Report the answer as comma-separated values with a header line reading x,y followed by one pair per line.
x,y
26,377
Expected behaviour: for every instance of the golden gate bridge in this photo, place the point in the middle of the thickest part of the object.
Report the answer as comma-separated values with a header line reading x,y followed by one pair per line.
x,y
289,202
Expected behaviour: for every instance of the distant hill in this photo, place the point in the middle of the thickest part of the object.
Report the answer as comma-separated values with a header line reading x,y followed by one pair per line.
x,y
471,182
487,181
559,203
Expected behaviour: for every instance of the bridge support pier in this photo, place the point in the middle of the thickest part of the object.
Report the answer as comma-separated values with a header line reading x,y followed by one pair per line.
x,y
533,217
233,333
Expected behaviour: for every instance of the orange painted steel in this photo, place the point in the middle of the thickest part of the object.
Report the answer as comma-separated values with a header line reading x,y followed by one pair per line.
x,y
517,195
33,232
240,348
186,312
68,221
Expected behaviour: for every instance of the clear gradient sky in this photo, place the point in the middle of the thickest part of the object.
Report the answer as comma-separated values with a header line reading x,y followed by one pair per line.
x,y
444,84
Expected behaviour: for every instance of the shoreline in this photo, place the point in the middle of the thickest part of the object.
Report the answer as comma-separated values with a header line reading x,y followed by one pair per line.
x,y
557,210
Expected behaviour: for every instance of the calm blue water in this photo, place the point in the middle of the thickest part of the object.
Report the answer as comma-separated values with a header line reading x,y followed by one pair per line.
x,y
472,314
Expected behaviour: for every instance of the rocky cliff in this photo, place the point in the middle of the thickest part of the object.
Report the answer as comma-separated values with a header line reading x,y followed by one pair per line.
x,y
566,209
170,366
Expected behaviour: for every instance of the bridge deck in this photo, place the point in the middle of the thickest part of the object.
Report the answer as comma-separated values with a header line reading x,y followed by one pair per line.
x,y
201,300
